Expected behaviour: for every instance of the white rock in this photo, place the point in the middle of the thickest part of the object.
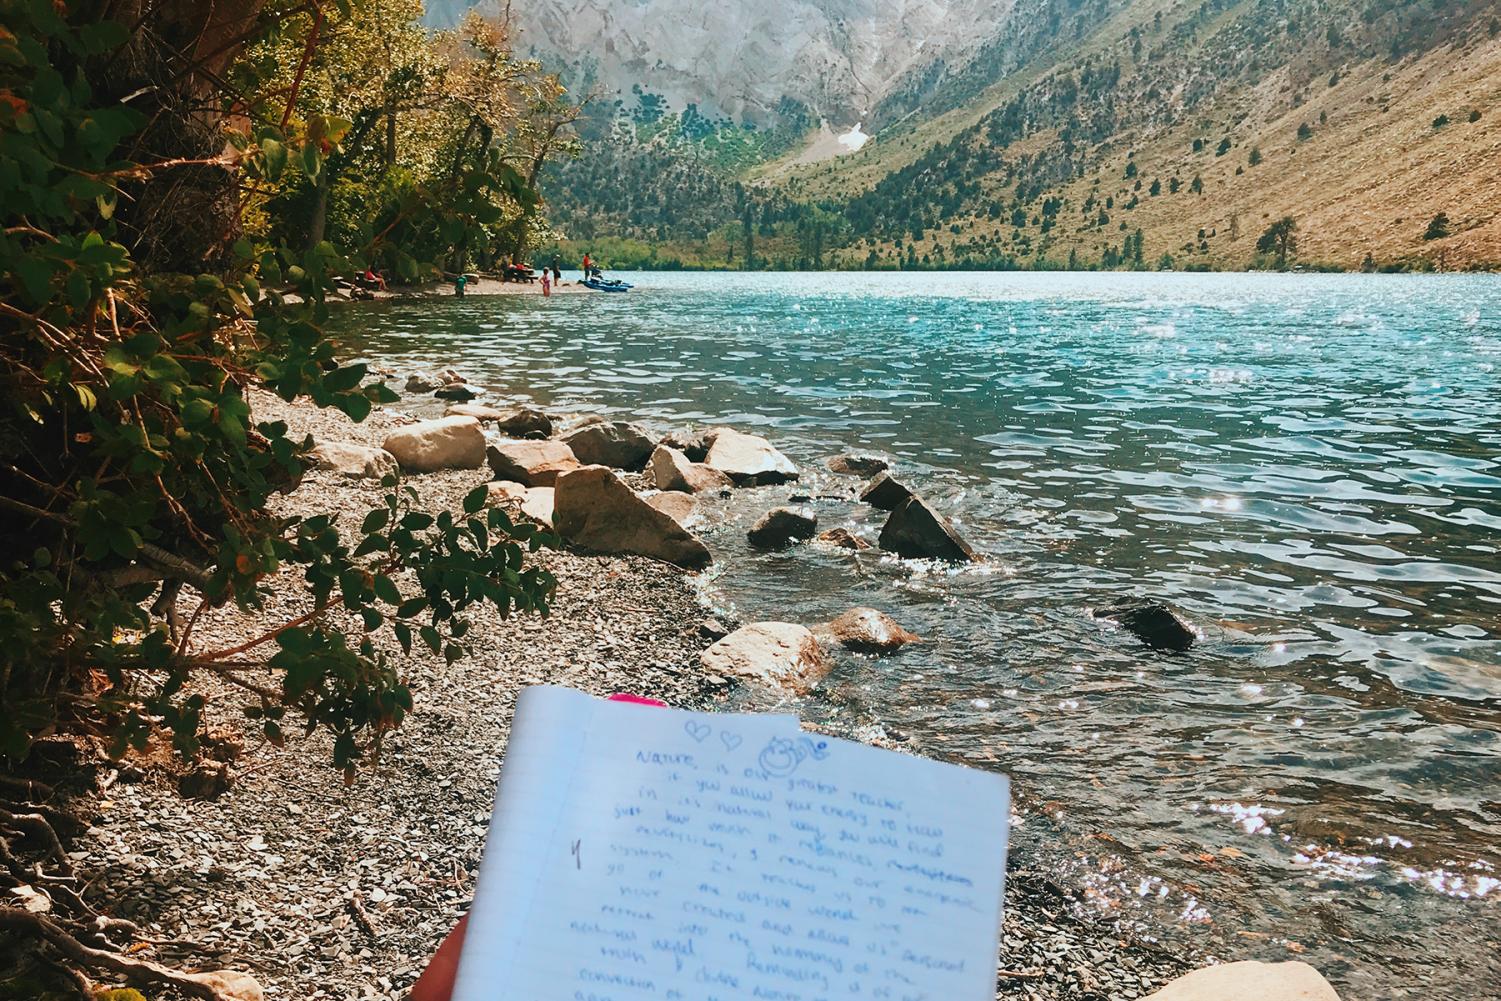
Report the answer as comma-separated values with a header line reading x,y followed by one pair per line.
x,y
679,506
534,463
354,460
778,654
596,510
1249,982
670,469
446,443
748,459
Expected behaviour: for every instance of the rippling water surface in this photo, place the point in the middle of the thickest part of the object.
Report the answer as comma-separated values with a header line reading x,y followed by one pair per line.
x,y
1309,466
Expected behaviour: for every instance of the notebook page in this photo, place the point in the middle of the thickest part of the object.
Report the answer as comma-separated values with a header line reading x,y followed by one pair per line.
x,y
538,780
710,860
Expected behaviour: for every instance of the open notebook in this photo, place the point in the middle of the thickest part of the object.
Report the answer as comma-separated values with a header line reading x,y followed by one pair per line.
x,y
641,853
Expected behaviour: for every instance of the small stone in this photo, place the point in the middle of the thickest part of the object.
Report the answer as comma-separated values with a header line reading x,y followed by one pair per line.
x,y
455,391
843,538
778,654
866,630
207,780
855,464
781,527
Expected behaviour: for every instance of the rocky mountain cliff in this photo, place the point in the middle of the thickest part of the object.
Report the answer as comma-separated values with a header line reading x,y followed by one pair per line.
x,y
751,60
1032,133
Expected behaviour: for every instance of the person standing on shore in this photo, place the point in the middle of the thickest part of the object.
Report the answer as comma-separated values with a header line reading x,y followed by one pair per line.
x,y
557,272
587,265
546,283
458,285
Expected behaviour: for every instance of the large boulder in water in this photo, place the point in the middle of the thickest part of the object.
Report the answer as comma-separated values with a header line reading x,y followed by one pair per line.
x,y
916,531
619,444
533,463
354,460
776,654
671,469
748,459
866,630
1152,622
781,527
594,509
884,493
446,443
1249,981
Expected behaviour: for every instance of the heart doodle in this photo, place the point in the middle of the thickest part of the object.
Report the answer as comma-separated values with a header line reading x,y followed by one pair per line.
x,y
731,740
698,731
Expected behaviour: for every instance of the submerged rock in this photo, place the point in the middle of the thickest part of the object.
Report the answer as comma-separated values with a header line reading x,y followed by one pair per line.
x,y
671,469
534,463
748,459
594,509
781,526
916,531
446,443
618,444
1249,981
1152,622
843,538
866,630
856,464
884,493
776,654
354,460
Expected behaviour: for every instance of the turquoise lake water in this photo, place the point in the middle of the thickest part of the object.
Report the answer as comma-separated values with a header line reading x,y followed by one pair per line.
x,y
1308,466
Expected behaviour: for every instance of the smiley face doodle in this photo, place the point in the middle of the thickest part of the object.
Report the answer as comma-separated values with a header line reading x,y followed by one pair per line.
x,y
781,757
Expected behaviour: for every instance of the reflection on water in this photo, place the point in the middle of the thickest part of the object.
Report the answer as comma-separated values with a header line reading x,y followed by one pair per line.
x,y
1310,466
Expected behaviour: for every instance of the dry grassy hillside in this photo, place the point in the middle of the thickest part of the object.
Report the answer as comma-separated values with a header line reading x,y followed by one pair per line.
x,y
1368,180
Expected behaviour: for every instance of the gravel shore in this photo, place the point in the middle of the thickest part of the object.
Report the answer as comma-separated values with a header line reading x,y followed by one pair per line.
x,y
326,891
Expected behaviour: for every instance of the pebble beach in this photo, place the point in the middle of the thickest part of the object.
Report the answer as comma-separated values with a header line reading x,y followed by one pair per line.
x,y
322,890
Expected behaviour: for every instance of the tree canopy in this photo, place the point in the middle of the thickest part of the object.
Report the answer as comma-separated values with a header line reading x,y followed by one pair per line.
x,y
183,187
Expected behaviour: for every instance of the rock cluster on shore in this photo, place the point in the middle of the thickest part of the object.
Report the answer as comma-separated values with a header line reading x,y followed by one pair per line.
x,y
334,892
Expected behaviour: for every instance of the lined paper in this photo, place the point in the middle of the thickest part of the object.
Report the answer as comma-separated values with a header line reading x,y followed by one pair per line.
x,y
642,854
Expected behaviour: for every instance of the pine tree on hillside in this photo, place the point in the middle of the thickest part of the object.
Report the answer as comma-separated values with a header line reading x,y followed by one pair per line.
x,y
1280,240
